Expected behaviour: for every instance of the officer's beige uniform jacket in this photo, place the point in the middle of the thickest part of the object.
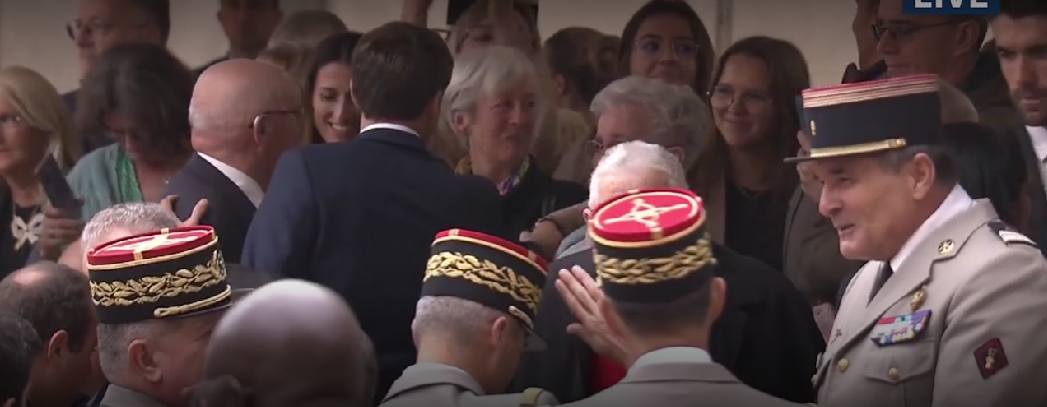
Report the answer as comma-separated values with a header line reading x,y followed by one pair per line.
x,y
984,342
438,385
679,377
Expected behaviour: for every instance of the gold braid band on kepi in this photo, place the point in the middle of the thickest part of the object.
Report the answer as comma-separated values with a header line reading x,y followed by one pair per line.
x,y
490,271
163,274
651,245
871,117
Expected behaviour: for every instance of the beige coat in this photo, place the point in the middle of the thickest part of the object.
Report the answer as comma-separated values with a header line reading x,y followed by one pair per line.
x,y
981,345
436,385
681,384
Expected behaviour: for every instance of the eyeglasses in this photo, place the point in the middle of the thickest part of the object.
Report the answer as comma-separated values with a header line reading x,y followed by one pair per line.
x,y
295,113
903,31
680,48
92,28
724,95
75,28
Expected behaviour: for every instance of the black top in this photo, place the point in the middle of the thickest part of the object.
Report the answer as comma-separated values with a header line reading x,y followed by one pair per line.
x,y
755,224
13,251
537,195
359,218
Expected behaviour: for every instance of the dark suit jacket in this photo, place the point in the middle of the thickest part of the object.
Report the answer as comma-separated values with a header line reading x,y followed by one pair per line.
x,y
229,210
359,217
766,335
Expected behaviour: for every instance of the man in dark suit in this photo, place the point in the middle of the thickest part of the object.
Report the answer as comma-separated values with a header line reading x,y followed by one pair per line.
x,y
359,217
244,115
766,335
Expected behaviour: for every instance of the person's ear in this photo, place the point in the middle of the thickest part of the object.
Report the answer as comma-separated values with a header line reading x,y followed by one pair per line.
x,y
967,34
260,129
142,358
58,343
921,174
462,123
500,330
679,153
560,83
717,298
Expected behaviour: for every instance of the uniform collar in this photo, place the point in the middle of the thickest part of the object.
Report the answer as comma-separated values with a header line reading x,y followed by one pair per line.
x,y
674,354
955,203
117,396
247,184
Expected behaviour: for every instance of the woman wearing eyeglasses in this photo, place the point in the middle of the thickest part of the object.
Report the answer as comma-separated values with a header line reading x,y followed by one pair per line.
x,y
33,123
137,95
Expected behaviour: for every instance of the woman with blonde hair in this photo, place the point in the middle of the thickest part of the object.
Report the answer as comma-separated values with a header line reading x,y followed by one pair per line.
x,y
34,122
507,23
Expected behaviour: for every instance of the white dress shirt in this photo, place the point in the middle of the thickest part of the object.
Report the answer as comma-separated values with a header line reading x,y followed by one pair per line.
x,y
954,204
247,184
1038,135
390,126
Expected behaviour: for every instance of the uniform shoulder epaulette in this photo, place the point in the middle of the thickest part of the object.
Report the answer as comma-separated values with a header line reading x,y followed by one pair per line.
x,y
1008,235
532,397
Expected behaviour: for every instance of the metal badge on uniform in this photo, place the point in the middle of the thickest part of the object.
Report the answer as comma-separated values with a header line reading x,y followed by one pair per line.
x,y
990,358
900,329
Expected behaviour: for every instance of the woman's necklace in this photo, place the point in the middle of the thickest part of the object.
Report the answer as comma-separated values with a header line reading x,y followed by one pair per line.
x,y
26,230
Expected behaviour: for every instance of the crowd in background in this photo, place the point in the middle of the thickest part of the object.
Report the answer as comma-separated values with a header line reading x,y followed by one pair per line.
x,y
272,146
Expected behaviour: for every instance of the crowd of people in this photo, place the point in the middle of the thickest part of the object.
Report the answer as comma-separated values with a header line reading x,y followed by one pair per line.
x,y
400,217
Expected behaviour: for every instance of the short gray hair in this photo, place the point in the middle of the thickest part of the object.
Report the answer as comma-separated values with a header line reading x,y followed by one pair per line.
x,y
307,28
461,318
678,116
956,106
135,218
632,159
485,71
114,339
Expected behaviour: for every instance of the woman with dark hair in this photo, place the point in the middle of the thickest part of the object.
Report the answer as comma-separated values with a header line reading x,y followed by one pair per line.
x,y
667,40
335,116
741,174
138,95
993,168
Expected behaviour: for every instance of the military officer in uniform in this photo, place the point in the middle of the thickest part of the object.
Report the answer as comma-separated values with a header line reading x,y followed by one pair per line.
x,y
157,298
951,308
654,262
473,321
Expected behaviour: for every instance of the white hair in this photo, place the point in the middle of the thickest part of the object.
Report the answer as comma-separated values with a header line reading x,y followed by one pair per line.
x,y
134,218
630,165
483,72
452,315
677,116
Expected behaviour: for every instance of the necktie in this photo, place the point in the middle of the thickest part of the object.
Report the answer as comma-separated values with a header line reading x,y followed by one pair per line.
x,y
881,278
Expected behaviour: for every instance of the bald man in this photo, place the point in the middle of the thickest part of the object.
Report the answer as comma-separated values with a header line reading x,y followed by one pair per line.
x,y
289,343
244,115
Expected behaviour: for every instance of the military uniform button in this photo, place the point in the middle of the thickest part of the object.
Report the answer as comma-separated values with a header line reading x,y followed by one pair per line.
x,y
842,365
893,374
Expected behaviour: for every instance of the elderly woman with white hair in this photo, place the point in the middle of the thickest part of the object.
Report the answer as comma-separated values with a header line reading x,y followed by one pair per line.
x,y
493,107
633,108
